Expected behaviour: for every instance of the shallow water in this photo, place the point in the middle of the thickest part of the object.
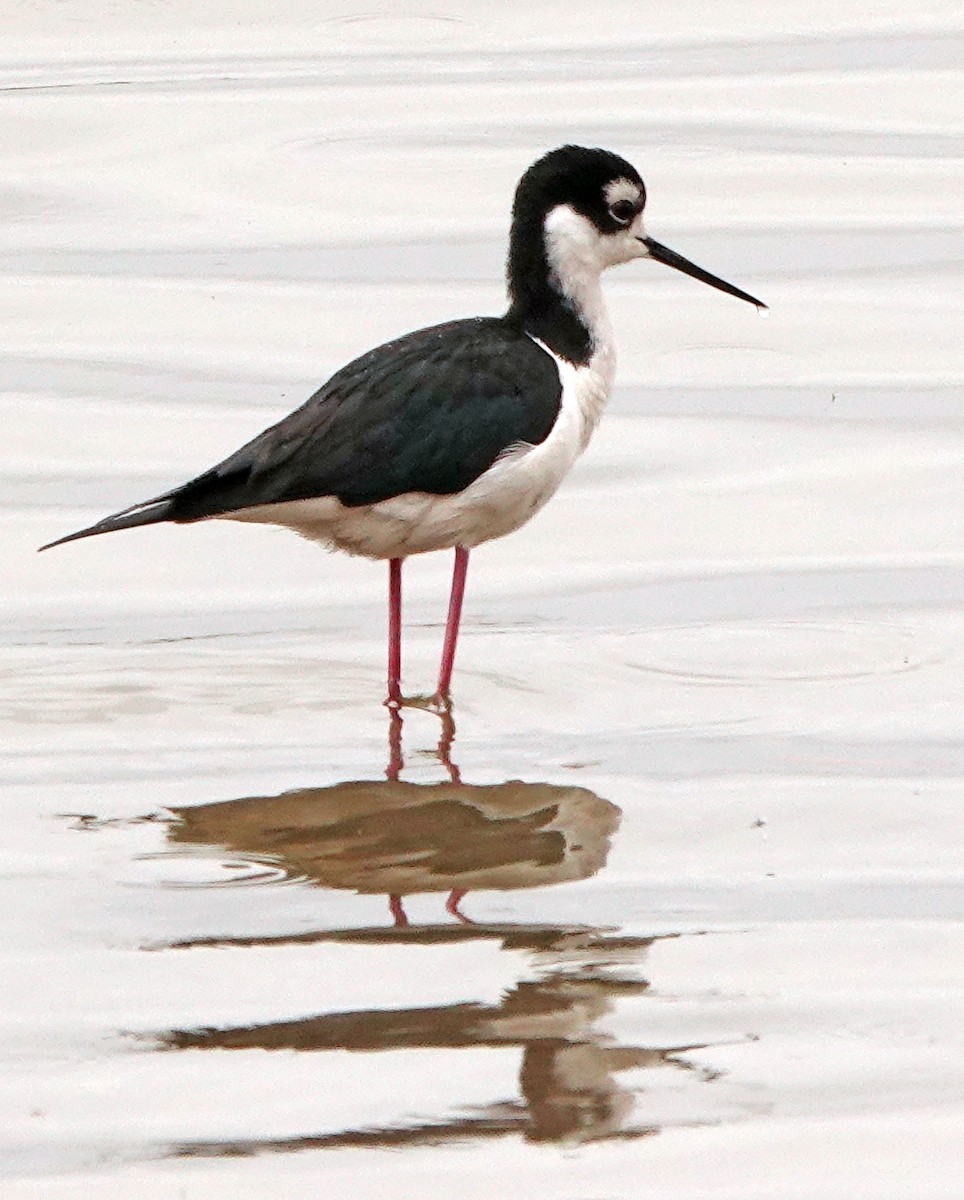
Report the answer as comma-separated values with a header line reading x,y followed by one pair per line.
x,y
677,904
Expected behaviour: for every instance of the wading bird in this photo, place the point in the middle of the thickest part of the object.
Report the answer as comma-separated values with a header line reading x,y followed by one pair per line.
x,y
453,435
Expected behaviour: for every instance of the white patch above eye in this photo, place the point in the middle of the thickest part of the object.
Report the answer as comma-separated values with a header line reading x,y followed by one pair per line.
x,y
621,189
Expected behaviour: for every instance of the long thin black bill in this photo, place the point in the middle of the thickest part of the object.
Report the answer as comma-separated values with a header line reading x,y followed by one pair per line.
x,y
663,254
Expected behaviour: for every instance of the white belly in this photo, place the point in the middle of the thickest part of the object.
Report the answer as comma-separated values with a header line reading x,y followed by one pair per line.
x,y
501,500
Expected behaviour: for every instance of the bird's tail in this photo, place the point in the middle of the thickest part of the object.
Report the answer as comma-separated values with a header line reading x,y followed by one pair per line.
x,y
150,512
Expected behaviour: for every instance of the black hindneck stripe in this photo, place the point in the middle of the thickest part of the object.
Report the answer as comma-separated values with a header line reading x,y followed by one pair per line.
x,y
536,304
561,330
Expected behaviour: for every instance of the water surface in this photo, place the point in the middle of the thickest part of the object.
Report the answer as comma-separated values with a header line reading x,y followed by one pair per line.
x,y
676,902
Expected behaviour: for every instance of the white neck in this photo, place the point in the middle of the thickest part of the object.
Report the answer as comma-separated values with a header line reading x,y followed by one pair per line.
x,y
577,257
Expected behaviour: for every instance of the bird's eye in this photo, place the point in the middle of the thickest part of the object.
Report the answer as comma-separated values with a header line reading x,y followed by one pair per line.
x,y
623,211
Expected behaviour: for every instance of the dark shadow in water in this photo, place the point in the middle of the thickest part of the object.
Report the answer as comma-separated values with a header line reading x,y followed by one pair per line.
x,y
396,838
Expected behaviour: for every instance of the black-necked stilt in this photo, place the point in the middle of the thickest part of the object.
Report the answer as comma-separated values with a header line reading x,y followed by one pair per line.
x,y
453,435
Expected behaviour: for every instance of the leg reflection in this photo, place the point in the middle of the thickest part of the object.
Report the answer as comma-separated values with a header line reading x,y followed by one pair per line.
x,y
456,896
398,912
396,764
395,761
443,751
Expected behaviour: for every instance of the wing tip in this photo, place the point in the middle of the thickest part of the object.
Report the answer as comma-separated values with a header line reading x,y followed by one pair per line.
x,y
70,537
150,513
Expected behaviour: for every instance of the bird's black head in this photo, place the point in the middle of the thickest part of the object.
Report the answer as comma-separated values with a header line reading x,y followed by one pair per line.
x,y
597,184
576,212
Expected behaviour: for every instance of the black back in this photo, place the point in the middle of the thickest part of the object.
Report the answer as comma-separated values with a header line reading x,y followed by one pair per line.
x,y
429,412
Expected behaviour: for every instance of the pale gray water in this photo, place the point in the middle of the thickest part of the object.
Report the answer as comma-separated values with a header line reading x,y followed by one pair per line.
x,y
715,943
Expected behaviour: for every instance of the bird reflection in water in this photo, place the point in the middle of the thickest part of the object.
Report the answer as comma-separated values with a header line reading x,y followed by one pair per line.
x,y
569,1084
394,838
397,838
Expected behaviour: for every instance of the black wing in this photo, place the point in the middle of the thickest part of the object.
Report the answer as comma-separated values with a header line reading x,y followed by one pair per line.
x,y
429,412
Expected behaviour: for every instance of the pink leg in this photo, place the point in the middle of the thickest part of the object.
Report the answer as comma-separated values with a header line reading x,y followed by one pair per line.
x,y
452,625
398,913
394,633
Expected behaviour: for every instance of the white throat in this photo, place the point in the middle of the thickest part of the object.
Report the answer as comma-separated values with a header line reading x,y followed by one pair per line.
x,y
577,257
